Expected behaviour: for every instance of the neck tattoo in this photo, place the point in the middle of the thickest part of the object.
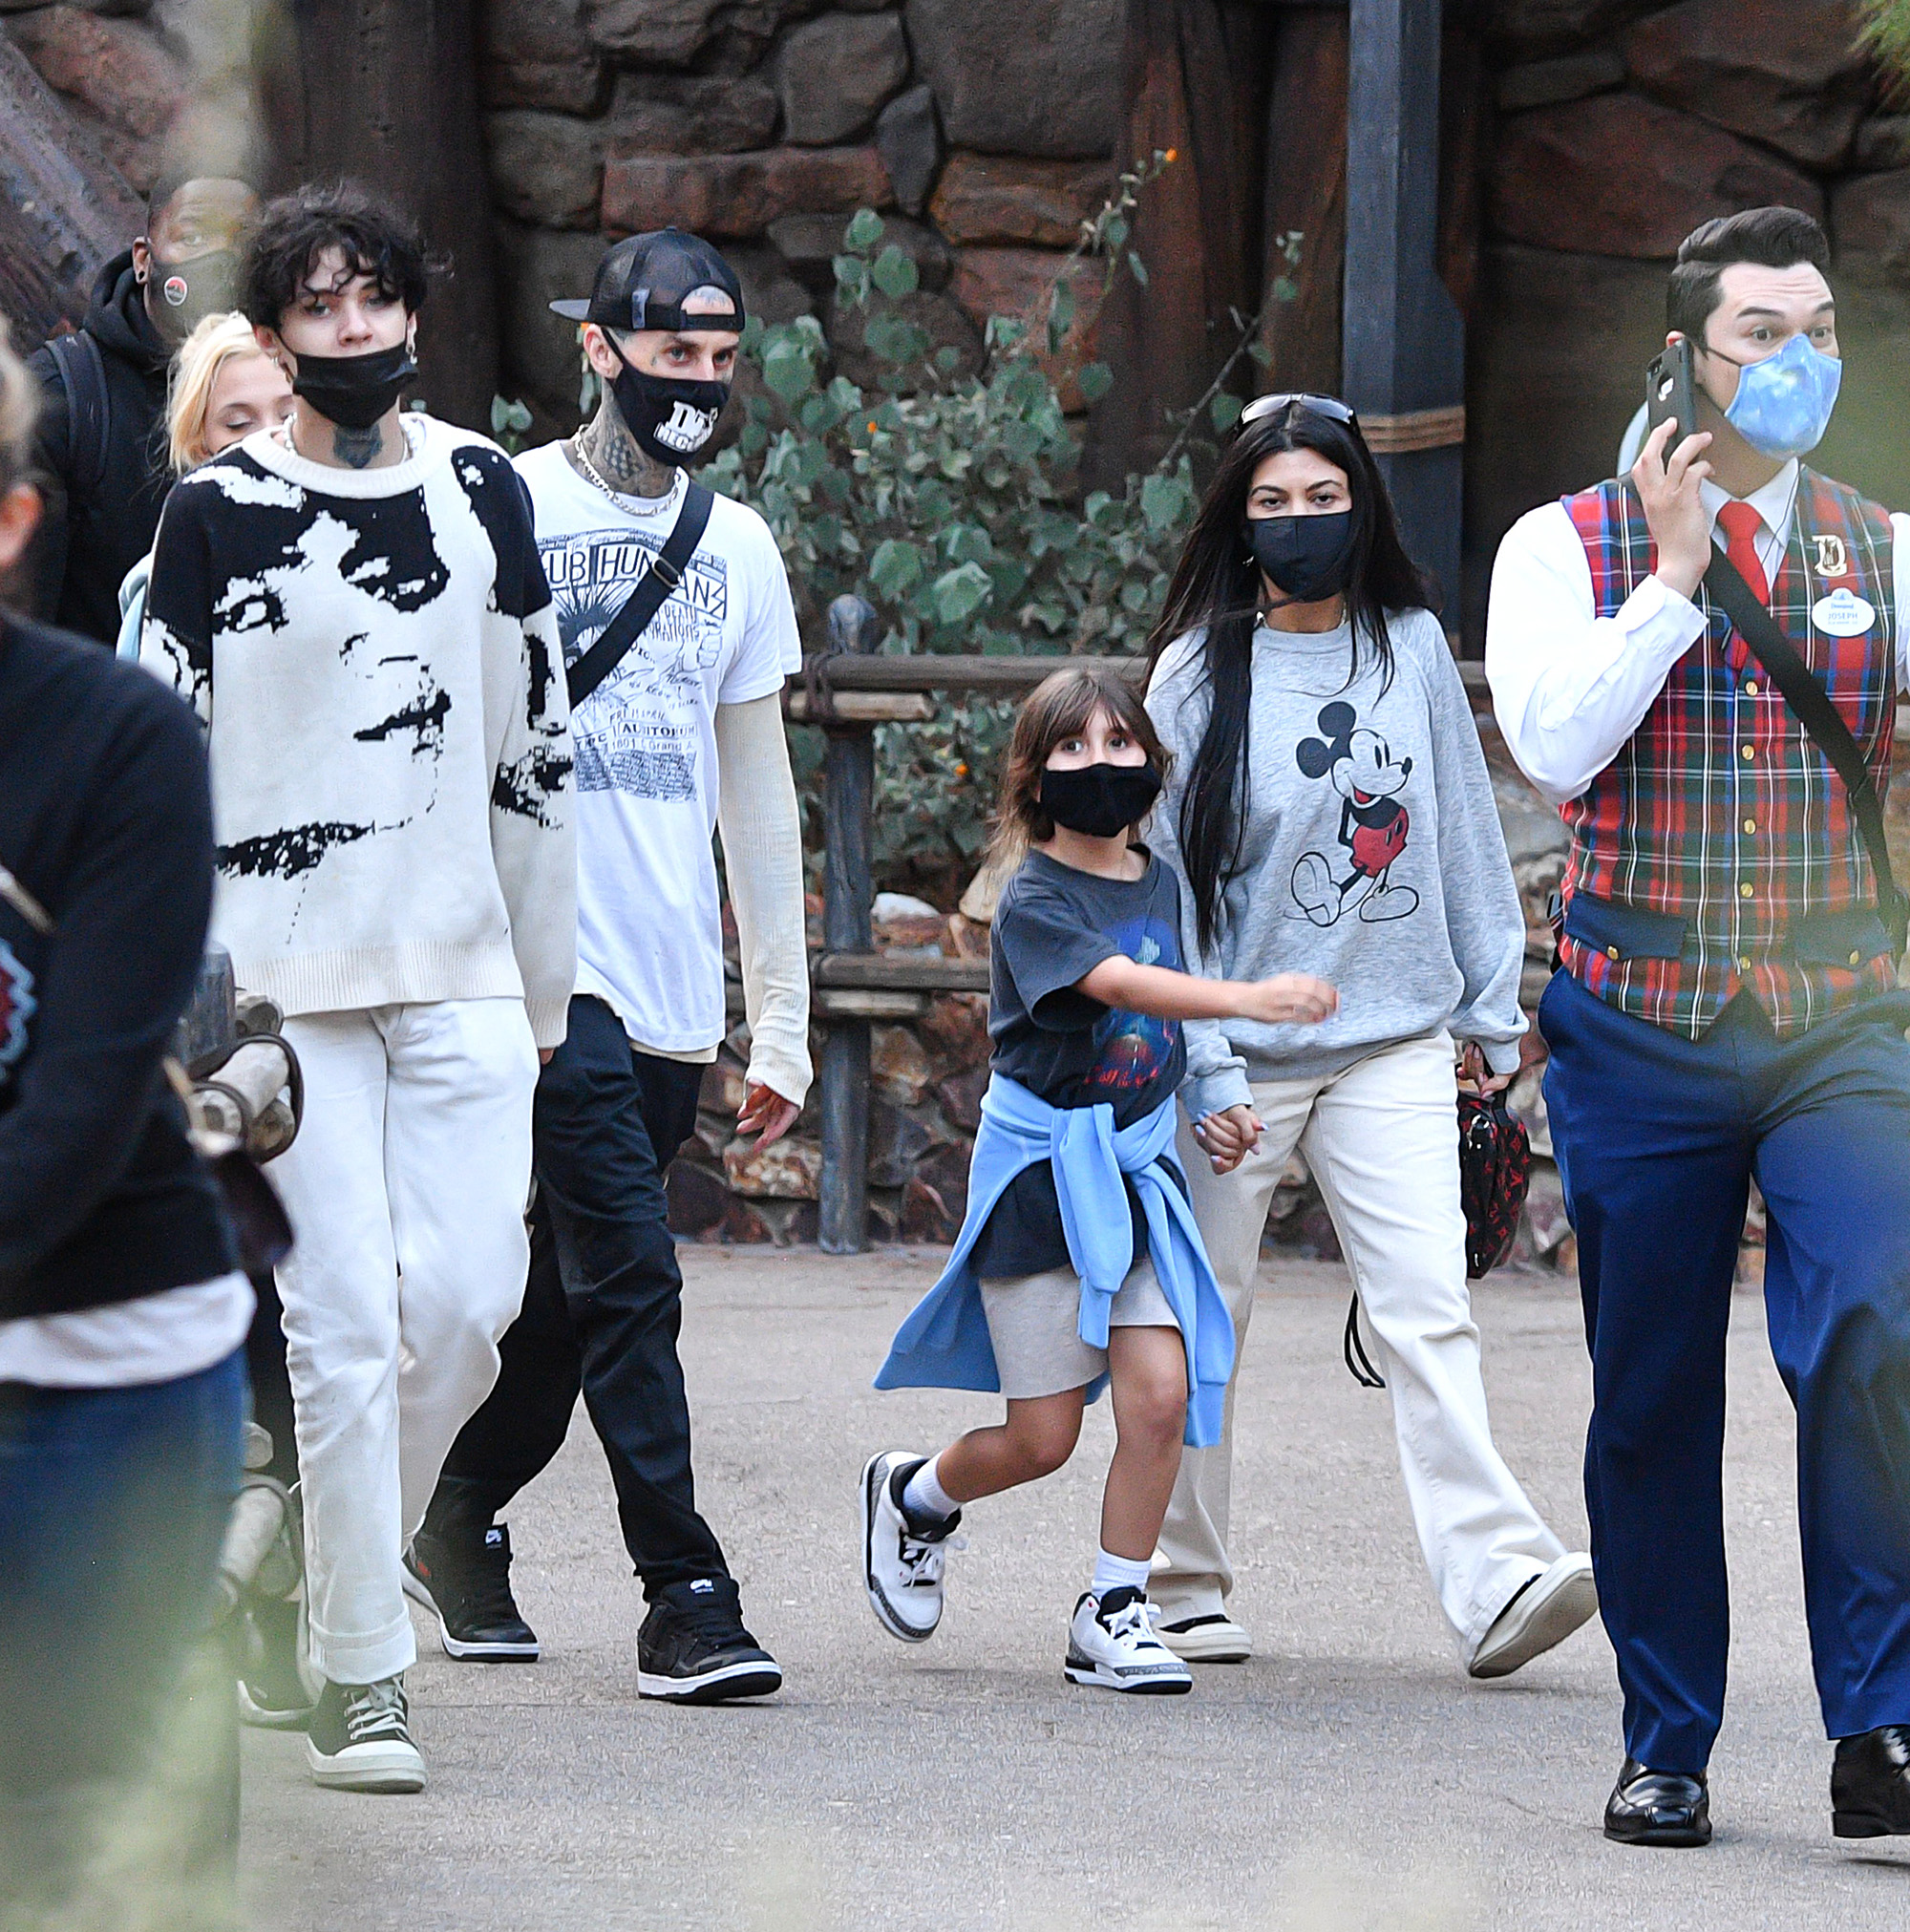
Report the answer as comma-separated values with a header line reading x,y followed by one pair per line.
x,y
608,456
357,449
352,449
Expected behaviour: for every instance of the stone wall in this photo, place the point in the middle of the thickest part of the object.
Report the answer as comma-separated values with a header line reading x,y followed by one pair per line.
x,y
983,129
1615,129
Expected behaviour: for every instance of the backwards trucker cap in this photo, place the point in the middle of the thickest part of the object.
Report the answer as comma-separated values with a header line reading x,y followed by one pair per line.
x,y
642,282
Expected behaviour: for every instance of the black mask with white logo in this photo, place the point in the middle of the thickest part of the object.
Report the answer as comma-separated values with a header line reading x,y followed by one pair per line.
x,y
1099,800
354,391
191,290
671,417
1309,558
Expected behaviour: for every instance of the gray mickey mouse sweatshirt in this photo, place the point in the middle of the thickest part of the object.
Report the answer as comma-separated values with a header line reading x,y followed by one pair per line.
x,y
1372,857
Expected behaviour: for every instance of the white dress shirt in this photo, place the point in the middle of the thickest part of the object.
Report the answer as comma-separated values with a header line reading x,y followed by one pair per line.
x,y
1570,687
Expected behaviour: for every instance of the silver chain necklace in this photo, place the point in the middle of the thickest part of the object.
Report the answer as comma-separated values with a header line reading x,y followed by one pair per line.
x,y
625,500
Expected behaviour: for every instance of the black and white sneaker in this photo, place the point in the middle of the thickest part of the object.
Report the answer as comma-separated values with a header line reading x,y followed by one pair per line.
x,y
359,1739
901,1557
462,1576
1112,1644
271,1692
693,1650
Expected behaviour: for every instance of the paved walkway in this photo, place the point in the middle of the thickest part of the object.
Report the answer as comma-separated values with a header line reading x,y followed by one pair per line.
x,y
1348,1777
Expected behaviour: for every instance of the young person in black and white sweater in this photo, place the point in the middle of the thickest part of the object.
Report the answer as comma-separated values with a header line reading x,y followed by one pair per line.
x,y
122,1312
355,605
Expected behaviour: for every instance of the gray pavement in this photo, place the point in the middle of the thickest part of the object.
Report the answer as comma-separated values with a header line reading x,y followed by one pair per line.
x,y
1349,1777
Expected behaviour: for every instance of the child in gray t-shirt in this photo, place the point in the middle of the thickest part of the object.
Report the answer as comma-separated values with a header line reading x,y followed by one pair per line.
x,y
1085,1008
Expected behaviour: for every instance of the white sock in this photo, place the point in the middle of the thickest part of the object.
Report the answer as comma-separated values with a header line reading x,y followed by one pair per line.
x,y
1112,1572
923,1493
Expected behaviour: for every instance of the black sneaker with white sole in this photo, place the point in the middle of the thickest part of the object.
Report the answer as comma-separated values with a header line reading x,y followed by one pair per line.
x,y
461,1574
271,1692
359,1739
693,1650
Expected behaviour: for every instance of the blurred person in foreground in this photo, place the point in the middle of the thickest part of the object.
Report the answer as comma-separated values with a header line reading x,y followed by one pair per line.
x,y
99,447
122,1313
1728,1009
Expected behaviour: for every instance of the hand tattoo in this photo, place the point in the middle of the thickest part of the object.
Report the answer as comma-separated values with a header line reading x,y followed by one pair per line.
x,y
357,449
614,452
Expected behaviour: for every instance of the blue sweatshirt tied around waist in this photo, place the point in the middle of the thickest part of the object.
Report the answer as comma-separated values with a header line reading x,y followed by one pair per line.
x,y
944,1341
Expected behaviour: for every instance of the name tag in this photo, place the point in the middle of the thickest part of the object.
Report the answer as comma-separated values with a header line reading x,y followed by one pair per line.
x,y
1843,613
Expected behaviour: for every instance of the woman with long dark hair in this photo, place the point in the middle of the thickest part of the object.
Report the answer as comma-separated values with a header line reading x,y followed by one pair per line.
x,y
1330,813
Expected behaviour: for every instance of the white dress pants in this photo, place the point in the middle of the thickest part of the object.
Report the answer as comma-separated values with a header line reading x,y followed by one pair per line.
x,y
1382,1140
406,1191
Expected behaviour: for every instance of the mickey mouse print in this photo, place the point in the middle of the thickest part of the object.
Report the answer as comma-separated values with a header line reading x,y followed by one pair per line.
x,y
1359,764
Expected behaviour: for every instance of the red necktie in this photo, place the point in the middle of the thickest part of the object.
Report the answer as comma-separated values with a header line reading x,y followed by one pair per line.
x,y
1741,523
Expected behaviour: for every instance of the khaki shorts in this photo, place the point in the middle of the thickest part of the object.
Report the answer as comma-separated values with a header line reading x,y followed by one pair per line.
x,y
1034,1322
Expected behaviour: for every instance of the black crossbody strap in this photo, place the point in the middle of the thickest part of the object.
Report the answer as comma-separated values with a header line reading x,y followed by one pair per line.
x,y
644,602
1726,589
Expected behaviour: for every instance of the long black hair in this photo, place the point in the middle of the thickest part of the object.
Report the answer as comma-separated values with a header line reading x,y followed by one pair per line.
x,y
1217,587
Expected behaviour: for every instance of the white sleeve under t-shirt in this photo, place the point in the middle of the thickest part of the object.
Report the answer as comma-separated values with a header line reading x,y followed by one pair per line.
x,y
649,935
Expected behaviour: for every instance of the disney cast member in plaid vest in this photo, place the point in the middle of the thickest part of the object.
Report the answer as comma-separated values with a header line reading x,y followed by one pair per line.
x,y
1727,1010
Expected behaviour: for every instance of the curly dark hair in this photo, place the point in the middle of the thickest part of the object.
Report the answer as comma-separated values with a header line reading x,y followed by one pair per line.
x,y
377,239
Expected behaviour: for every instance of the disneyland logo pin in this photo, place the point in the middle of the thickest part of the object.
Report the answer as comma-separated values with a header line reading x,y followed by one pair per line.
x,y
1843,613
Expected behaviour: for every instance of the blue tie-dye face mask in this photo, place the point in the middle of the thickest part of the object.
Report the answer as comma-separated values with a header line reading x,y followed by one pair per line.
x,y
1783,404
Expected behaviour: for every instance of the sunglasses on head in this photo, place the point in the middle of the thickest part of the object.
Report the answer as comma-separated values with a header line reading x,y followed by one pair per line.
x,y
1328,406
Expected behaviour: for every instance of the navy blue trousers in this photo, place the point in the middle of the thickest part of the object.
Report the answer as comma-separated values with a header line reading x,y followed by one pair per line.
x,y
1657,1138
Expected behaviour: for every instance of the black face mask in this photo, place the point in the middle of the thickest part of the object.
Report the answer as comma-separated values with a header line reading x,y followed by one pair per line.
x,y
189,291
1099,800
354,391
1309,558
670,416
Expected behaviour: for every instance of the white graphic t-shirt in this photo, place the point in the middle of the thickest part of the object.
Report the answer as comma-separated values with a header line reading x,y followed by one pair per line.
x,y
649,933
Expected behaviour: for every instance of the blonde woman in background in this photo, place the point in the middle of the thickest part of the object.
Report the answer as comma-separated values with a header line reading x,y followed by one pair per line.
x,y
223,387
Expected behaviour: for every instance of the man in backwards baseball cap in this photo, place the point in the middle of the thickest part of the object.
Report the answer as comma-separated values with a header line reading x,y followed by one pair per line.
x,y
683,735
678,307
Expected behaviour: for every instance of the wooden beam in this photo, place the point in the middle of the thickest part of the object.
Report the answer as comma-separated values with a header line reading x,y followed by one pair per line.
x,y
1009,676
1404,340
876,971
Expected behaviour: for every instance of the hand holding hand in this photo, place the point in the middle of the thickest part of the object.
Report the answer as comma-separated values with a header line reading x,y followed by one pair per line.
x,y
1680,525
765,1112
1287,999
1227,1138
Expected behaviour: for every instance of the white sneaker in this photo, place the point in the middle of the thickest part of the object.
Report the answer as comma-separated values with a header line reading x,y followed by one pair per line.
x,y
1212,1639
1545,1612
901,1569
1112,1644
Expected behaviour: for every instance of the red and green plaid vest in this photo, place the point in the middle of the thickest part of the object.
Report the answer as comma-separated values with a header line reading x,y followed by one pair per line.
x,y
1717,851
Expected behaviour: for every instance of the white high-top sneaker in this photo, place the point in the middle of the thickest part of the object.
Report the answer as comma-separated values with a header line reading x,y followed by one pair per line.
x,y
1112,1644
901,1568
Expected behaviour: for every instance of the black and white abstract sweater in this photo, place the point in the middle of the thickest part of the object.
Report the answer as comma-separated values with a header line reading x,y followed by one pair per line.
x,y
374,657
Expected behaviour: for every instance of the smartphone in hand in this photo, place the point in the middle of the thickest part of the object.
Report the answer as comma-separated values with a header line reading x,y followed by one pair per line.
x,y
1671,394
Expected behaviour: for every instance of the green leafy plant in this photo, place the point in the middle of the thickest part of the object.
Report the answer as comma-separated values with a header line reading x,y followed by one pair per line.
x,y
510,423
950,501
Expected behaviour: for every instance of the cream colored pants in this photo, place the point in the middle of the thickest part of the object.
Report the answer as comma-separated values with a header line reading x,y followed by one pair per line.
x,y
1382,1141
406,1191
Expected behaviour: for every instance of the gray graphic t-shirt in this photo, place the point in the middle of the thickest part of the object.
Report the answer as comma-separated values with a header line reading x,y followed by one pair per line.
x,y
649,933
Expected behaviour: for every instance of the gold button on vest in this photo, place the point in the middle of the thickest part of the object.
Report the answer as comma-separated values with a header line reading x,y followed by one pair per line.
x,y
1744,891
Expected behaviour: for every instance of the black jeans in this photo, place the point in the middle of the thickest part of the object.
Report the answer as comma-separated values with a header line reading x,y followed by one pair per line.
x,y
603,1306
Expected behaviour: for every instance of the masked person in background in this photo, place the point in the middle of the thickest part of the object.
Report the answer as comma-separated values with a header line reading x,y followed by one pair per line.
x,y
353,603
102,449
678,730
1726,1009
122,1312
1330,813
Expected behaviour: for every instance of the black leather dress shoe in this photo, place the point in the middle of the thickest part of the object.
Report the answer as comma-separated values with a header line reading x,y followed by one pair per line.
x,y
1658,1808
1870,1784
